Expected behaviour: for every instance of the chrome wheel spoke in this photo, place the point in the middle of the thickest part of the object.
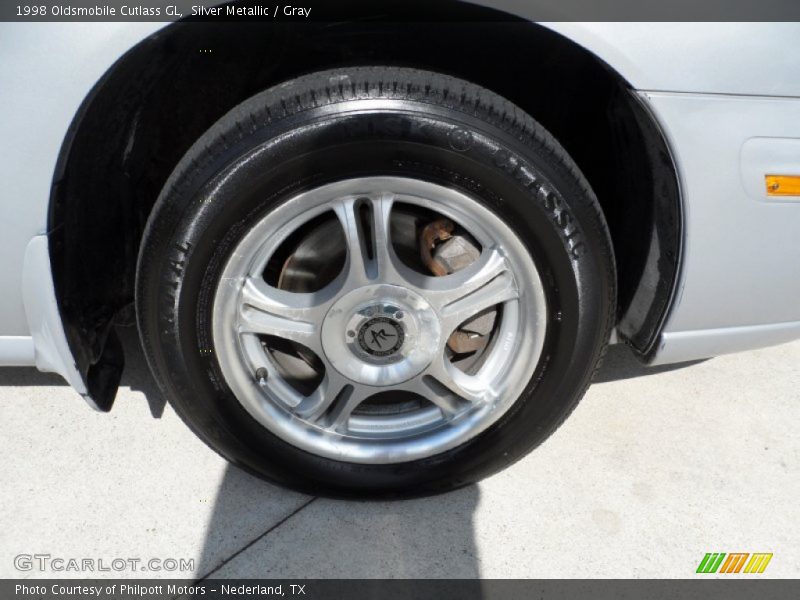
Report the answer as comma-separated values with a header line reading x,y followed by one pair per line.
x,y
465,388
333,402
445,399
317,405
269,311
451,392
486,283
365,221
346,402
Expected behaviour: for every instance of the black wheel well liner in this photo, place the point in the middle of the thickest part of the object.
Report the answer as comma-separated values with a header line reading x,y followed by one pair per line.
x,y
158,98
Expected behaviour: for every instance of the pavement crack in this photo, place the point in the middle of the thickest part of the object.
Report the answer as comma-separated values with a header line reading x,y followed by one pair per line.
x,y
253,542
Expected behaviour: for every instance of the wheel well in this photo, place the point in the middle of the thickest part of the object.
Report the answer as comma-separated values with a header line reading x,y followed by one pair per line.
x,y
164,93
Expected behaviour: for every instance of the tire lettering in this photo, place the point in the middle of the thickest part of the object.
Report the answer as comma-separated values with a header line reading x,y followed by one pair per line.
x,y
564,220
578,250
551,202
176,266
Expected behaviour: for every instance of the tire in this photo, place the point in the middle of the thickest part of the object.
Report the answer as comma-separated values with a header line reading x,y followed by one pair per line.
x,y
444,143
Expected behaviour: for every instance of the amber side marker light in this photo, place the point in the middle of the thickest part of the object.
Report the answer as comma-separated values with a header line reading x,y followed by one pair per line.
x,y
783,185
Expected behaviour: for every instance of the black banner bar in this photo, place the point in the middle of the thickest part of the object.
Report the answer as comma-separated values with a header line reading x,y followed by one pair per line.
x,y
407,10
731,588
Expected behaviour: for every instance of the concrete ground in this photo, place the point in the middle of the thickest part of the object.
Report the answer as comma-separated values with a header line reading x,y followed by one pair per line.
x,y
649,474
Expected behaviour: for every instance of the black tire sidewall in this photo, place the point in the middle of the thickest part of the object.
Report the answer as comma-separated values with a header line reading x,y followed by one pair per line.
x,y
211,208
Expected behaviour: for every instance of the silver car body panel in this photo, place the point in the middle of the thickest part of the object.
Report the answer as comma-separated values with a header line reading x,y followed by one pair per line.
x,y
749,59
740,278
51,351
714,88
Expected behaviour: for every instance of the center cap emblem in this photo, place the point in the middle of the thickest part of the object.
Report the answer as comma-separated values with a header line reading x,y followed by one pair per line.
x,y
381,336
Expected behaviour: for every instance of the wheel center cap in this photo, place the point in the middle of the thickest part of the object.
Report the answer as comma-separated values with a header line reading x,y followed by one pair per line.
x,y
380,334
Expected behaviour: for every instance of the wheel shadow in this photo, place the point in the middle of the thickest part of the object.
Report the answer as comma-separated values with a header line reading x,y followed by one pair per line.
x,y
137,375
330,539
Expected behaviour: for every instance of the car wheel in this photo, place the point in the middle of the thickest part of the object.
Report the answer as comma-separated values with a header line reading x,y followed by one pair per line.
x,y
375,281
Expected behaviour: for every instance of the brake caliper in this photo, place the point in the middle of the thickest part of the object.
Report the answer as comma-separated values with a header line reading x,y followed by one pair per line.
x,y
444,252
